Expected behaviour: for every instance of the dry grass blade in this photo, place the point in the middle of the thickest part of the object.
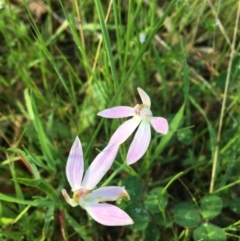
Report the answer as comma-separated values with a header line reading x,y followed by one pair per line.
x,y
80,23
215,159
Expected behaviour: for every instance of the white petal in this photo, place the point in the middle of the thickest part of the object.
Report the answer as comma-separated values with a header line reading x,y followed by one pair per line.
x,y
124,131
75,165
99,166
108,214
145,112
144,97
159,124
117,112
105,194
140,142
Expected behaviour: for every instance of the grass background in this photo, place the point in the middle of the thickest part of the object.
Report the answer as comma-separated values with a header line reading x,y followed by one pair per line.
x,y
61,62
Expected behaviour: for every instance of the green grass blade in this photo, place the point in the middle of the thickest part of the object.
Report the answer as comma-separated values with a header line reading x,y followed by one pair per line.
x,y
43,186
125,79
21,214
79,229
107,42
211,130
35,203
30,162
49,216
43,139
175,123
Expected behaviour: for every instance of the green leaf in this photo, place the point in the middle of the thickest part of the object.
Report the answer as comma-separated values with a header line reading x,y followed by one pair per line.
x,y
186,216
235,205
155,198
211,206
209,232
133,187
185,136
139,214
151,233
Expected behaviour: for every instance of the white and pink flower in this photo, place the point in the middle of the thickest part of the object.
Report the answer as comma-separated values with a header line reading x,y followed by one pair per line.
x,y
83,193
142,117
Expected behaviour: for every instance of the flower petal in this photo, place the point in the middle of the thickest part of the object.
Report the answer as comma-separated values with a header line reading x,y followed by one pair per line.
x,y
75,165
99,166
140,142
105,194
159,124
68,199
108,214
144,97
117,112
145,112
124,131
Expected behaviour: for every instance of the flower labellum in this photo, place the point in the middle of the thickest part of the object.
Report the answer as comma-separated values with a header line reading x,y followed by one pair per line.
x,y
94,200
142,117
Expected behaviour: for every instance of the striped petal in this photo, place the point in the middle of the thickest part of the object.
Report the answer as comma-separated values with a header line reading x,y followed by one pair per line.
x,y
105,194
124,131
144,97
117,112
99,166
75,165
159,124
108,214
140,142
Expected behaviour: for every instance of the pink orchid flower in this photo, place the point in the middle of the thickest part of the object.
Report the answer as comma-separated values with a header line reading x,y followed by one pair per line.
x,y
142,116
83,193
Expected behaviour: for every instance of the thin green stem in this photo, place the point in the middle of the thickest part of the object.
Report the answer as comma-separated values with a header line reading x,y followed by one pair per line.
x,y
114,174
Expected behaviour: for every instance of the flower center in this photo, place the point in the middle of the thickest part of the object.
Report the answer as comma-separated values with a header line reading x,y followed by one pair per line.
x,y
138,109
79,194
142,111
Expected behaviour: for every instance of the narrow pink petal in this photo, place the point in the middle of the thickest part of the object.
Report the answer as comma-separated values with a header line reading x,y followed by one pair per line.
x,y
99,166
144,97
159,124
105,194
140,142
108,214
75,165
124,131
117,112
